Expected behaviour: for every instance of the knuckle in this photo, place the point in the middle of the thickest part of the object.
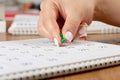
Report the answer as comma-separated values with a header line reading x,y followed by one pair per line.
x,y
73,20
73,23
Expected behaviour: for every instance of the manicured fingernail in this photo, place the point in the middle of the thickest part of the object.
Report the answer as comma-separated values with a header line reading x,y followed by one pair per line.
x,y
56,42
82,30
69,36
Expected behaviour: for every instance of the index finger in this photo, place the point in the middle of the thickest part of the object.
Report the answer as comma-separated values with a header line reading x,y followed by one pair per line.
x,y
49,20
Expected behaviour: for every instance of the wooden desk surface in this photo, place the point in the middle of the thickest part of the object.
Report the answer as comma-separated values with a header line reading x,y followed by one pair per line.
x,y
111,73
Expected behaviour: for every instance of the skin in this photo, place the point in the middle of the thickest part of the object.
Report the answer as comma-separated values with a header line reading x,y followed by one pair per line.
x,y
61,16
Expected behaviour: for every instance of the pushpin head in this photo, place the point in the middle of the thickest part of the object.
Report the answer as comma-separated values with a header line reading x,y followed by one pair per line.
x,y
63,40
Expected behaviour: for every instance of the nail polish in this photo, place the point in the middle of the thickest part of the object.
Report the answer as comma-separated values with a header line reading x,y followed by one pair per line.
x,y
56,42
69,36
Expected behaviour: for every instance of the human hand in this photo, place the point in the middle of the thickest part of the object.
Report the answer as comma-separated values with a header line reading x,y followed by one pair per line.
x,y
64,16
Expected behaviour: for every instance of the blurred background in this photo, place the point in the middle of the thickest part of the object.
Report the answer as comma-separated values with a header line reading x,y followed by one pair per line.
x,y
21,5
10,8
13,7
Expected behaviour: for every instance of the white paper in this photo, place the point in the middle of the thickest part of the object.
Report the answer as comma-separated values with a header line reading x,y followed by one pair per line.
x,y
18,56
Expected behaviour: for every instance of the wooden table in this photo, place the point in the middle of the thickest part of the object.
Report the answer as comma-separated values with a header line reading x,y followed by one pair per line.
x,y
111,73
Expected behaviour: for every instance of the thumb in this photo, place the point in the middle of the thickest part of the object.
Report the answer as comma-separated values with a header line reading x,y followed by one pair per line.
x,y
71,27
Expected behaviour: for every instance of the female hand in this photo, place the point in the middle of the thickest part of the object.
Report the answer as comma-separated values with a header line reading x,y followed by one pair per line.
x,y
66,17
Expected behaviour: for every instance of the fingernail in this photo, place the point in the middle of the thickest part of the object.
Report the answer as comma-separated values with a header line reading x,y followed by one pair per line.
x,y
69,36
56,42
82,30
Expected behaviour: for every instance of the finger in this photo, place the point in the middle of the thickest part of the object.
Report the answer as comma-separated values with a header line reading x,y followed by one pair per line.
x,y
42,31
55,31
70,27
83,30
49,18
51,31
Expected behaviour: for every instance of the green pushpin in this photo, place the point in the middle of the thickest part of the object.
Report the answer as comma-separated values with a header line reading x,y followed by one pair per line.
x,y
63,40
